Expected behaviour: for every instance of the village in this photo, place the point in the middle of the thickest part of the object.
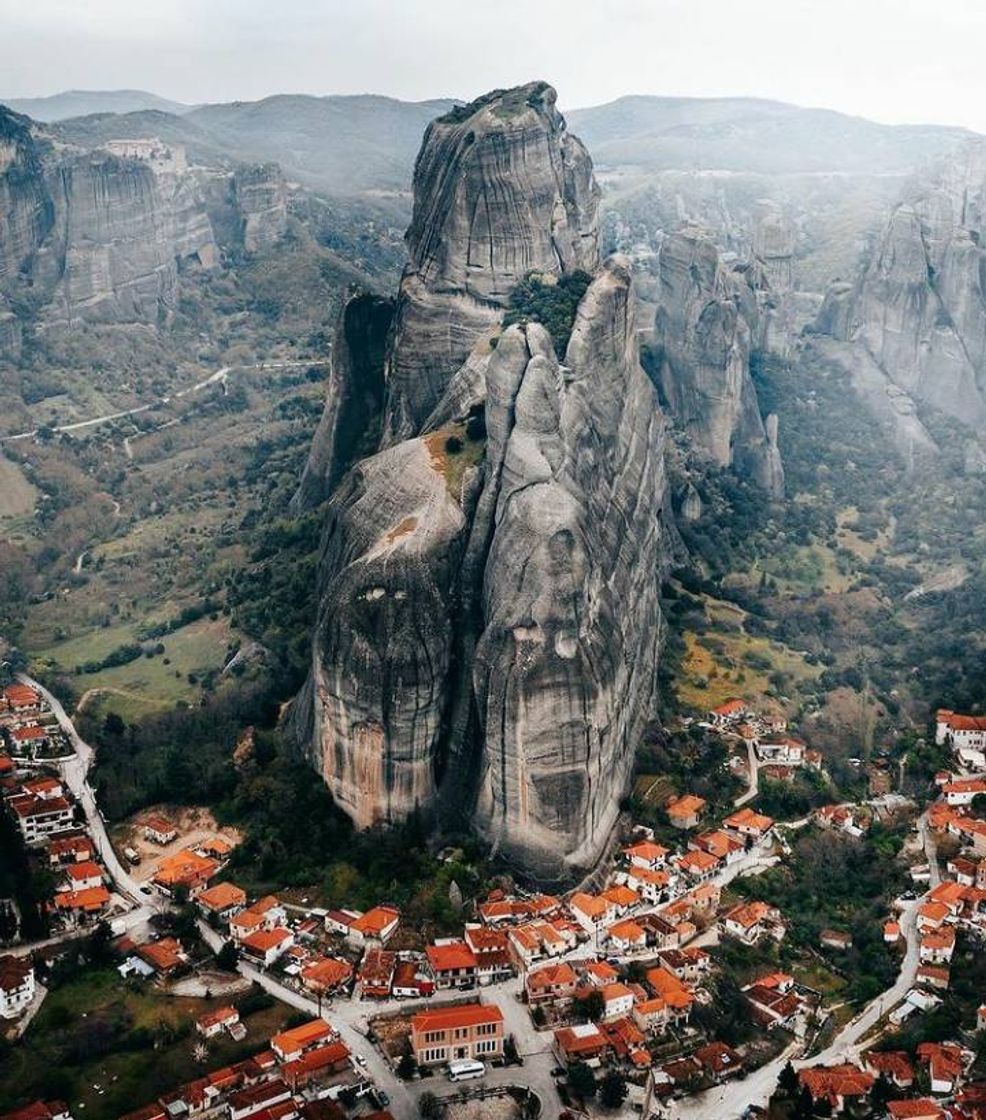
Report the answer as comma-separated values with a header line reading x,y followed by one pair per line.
x,y
605,998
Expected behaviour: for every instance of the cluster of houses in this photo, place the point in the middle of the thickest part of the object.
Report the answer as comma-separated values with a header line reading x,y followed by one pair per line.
x,y
941,1066
300,1076
766,734
29,731
49,824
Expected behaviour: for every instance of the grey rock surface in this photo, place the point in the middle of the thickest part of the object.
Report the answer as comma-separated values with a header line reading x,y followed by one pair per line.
x,y
704,333
917,312
501,189
475,655
261,198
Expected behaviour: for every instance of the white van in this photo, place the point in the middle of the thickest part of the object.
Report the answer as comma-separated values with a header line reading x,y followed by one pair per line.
x,y
465,1069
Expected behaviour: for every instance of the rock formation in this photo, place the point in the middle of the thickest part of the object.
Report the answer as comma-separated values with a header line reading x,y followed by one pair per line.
x,y
704,334
261,198
914,323
91,236
501,190
475,652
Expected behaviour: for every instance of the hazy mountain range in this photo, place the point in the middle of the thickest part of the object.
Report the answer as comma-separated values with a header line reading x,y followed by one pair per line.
x,y
349,144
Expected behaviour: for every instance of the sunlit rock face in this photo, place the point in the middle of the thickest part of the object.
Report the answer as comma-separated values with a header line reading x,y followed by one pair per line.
x,y
489,621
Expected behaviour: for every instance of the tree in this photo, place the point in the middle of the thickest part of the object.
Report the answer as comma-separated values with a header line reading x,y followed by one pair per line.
x,y
582,1081
227,958
787,1082
510,1050
589,1007
881,1094
406,1067
430,1107
613,1091
538,1017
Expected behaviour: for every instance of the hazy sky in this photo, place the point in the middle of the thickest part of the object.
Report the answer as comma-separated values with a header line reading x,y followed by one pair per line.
x,y
892,60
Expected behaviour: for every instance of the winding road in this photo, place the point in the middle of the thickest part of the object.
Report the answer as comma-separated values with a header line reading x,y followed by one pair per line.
x,y
221,374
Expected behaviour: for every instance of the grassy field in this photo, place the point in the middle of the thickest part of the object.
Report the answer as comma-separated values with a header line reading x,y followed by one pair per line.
x,y
158,680
717,666
17,494
93,1045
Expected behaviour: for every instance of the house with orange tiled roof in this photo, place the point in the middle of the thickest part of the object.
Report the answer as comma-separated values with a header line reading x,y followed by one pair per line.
x,y
932,915
621,897
891,932
325,974
626,936
584,1042
652,886
82,876
412,980
79,906
646,854
318,1065
617,1000
21,699
946,1062
677,998
719,1061
215,1022
159,830
76,848
752,826
651,1015
752,920
550,982
685,811
937,945
592,912
473,1031
184,871
376,926
292,1043
222,901
375,976
165,956
729,712
894,1065
698,865
452,963
936,976
265,946
915,1108
627,1042
719,843
959,730
963,792
599,973
838,1085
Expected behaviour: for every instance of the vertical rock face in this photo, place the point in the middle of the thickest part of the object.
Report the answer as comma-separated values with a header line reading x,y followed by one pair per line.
x,y
565,671
489,625
704,332
500,190
261,198
353,399
918,311
27,212
93,237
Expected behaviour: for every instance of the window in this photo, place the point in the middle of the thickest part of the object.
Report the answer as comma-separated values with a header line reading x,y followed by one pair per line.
x,y
435,1054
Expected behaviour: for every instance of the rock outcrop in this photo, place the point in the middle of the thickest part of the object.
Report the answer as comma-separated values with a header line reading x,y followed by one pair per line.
x,y
354,396
476,653
92,236
501,189
260,195
916,317
704,333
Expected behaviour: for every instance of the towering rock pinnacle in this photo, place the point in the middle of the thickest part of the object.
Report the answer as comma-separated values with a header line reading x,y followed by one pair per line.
x,y
489,625
705,330
500,190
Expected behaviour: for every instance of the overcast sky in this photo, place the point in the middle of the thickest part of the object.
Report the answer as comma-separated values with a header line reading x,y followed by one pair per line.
x,y
892,60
